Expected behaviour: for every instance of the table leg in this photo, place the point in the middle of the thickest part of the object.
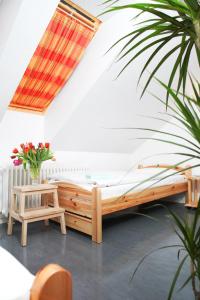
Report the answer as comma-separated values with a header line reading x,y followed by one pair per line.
x,y
55,199
46,222
24,234
21,204
189,193
10,225
62,224
10,220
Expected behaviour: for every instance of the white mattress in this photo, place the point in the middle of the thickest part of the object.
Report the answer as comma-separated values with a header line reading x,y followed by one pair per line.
x,y
118,188
103,179
15,279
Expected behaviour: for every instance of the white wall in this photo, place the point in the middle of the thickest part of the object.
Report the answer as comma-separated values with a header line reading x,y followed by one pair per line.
x,y
17,128
30,23
8,13
93,160
88,72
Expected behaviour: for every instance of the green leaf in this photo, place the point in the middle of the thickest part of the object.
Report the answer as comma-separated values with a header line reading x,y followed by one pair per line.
x,y
150,253
175,16
178,61
155,52
159,65
176,277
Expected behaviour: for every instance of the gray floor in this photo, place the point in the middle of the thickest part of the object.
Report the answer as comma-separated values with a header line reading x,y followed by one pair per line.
x,y
103,271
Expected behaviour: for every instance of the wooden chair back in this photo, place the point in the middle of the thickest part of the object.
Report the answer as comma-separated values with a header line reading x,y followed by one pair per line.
x,y
52,283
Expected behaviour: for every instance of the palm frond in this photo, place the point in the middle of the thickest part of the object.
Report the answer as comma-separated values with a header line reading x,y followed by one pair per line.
x,y
175,20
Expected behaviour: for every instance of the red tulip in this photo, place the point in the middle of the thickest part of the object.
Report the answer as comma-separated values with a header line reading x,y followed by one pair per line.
x,y
26,149
40,145
22,146
15,151
47,145
17,162
30,145
13,156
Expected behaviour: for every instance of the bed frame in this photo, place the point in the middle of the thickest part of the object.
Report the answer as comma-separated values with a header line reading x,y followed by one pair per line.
x,y
85,209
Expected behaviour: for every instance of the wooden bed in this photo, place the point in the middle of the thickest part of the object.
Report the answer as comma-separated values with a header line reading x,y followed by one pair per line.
x,y
85,209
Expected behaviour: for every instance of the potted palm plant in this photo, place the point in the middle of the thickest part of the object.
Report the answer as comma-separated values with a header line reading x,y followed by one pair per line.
x,y
185,114
177,21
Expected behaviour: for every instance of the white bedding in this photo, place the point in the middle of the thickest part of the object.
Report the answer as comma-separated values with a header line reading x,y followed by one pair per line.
x,y
15,279
119,190
114,184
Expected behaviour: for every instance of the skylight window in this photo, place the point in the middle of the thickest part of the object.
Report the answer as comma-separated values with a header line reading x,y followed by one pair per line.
x,y
60,50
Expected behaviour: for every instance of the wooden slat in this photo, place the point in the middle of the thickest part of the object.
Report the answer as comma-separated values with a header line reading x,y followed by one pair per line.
x,y
77,207
166,166
77,222
42,212
97,216
72,194
73,188
137,198
34,188
193,192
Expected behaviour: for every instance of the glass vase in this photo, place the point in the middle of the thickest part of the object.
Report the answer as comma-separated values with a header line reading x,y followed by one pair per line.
x,y
35,174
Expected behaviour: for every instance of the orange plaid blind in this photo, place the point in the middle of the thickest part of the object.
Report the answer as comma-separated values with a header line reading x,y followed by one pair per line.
x,y
53,62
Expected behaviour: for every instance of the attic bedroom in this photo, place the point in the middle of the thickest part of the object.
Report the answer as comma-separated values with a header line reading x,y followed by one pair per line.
x,y
100,149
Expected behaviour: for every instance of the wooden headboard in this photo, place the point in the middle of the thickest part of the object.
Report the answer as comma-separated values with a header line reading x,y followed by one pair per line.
x,y
183,170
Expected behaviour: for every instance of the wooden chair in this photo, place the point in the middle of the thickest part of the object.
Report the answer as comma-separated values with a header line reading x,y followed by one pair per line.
x,y
52,283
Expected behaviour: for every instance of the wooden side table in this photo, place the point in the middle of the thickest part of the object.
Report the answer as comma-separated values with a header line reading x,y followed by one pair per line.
x,y
193,191
26,216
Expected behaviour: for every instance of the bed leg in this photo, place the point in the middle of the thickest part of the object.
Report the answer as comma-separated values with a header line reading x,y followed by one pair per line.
x,y
96,216
189,193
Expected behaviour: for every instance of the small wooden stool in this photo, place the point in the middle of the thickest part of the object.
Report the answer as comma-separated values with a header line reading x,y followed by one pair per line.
x,y
26,216
193,192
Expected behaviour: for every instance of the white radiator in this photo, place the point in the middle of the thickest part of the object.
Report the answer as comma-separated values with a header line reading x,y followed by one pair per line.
x,y
13,176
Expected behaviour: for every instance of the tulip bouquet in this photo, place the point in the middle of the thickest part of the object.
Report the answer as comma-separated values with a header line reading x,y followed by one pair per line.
x,y
33,156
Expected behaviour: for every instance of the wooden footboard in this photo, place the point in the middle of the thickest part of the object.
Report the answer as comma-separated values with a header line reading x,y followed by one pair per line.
x,y
82,209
